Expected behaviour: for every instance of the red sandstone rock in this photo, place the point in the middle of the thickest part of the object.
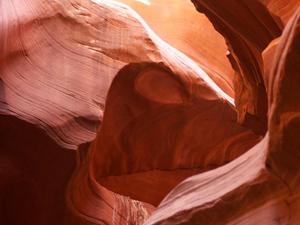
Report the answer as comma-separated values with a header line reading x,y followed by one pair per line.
x,y
248,27
282,8
144,136
59,82
261,186
68,68
177,22
57,62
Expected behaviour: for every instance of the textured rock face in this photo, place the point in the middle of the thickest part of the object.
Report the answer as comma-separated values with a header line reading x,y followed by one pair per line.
x,y
248,27
262,185
143,124
247,32
282,8
103,122
191,32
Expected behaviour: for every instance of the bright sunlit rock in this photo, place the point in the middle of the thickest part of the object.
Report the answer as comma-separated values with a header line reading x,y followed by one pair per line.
x,y
146,2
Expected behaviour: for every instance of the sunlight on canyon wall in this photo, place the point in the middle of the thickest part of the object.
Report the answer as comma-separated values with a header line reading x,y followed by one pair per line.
x,y
177,22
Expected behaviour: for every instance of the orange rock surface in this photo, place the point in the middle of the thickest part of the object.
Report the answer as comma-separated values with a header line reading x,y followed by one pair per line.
x,y
171,114
192,33
262,185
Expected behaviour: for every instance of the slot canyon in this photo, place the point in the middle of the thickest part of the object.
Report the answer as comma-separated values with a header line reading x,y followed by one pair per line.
x,y
149,112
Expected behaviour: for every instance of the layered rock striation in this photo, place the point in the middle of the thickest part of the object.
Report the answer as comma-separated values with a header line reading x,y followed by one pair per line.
x,y
104,122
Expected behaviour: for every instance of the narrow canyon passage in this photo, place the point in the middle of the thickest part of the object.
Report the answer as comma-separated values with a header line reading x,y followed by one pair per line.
x,y
149,112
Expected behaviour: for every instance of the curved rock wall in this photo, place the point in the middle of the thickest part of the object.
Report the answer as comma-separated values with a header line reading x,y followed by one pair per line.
x,y
248,28
177,22
104,122
262,185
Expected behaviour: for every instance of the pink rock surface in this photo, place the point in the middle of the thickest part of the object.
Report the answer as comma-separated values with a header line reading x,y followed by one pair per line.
x,y
104,122
58,61
248,28
262,185
192,33
145,137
